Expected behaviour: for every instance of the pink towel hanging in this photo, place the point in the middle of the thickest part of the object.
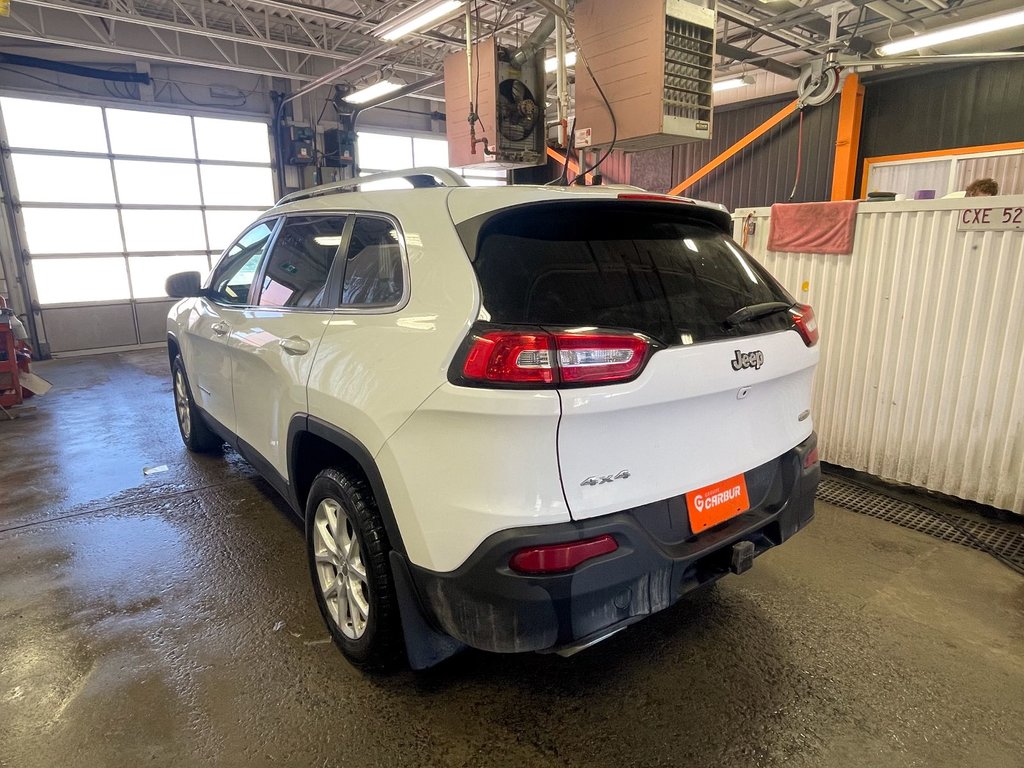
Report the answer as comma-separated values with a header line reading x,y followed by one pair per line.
x,y
813,227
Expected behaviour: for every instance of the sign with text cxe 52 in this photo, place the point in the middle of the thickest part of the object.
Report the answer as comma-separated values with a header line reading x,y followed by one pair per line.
x,y
1000,217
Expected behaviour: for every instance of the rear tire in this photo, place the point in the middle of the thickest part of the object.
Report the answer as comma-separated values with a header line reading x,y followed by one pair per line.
x,y
195,434
348,553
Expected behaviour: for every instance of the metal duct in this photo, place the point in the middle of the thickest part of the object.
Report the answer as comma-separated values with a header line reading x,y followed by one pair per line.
x,y
770,65
536,40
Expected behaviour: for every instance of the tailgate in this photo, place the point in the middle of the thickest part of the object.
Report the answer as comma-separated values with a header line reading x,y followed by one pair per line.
x,y
690,420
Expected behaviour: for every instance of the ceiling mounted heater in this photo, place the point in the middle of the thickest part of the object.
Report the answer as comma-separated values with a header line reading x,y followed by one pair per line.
x,y
508,98
655,61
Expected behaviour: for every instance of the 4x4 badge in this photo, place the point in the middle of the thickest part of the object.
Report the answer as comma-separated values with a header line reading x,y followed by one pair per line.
x,y
602,479
743,360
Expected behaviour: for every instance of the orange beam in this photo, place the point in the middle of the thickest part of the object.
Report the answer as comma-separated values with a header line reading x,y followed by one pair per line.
x,y
869,161
738,147
573,166
851,108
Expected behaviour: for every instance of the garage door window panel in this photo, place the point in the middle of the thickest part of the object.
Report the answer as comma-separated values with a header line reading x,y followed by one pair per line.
x,y
240,140
50,125
72,230
430,152
150,134
235,274
62,179
384,152
80,280
374,270
298,270
164,230
237,185
144,182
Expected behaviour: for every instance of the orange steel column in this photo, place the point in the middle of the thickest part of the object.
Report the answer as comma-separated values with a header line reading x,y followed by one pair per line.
x,y
738,147
851,108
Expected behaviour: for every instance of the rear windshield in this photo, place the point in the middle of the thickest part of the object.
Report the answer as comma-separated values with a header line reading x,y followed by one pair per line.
x,y
642,267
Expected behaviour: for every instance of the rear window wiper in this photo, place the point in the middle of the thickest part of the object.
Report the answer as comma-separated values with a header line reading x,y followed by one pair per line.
x,y
755,312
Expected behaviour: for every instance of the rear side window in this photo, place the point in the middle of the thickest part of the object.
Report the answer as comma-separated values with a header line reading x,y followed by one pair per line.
x,y
373,265
641,267
300,262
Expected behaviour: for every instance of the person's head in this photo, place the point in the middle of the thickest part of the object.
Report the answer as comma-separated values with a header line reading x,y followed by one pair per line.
x,y
982,188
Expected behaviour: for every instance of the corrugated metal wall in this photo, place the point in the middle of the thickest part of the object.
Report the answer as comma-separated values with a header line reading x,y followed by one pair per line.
x,y
921,378
966,106
760,175
1007,170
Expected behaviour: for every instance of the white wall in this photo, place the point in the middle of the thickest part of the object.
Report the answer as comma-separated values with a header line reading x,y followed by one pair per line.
x,y
921,378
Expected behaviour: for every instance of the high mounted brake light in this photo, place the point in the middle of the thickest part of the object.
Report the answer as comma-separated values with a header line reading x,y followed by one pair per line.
x,y
651,197
805,323
542,358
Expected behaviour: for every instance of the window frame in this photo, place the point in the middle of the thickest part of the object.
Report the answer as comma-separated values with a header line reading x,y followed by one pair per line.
x,y
208,292
373,309
334,281
331,301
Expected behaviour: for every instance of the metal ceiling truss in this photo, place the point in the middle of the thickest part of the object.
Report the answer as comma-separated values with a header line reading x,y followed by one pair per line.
x,y
800,31
311,44
277,38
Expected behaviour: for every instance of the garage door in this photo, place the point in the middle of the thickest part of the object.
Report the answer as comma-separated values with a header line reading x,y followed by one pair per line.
x,y
114,200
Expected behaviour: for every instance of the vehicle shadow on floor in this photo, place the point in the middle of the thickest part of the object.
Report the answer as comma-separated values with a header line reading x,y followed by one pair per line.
x,y
714,658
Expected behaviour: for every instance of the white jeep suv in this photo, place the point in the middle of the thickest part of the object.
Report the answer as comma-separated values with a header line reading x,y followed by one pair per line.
x,y
517,419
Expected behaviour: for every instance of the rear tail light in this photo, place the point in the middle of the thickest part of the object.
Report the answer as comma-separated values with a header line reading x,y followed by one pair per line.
x,y
511,357
805,323
535,358
599,358
559,558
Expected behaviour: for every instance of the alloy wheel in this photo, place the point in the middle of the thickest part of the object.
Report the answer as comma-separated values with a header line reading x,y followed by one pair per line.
x,y
181,404
340,570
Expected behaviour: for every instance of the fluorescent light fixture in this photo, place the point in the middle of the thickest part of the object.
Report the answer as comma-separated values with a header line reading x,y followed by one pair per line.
x,y
375,91
422,15
550,64
332,241
954,32
735,82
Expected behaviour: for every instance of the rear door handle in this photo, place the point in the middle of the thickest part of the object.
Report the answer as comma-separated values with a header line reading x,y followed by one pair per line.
x,y
295,345
220,328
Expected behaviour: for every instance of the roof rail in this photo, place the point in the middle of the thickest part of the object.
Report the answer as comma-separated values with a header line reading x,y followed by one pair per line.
x,y
418,177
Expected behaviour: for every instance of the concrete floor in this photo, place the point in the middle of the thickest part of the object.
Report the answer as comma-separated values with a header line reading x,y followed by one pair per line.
x,y
168,620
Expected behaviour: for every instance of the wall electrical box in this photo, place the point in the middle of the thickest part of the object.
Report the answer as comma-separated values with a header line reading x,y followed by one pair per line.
x,y
655,61
300,146
339,147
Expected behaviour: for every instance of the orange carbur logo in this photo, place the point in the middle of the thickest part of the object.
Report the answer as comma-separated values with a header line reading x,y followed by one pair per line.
x,y
716,503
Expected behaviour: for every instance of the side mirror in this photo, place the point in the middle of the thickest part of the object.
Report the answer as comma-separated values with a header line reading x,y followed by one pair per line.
x,y
183,285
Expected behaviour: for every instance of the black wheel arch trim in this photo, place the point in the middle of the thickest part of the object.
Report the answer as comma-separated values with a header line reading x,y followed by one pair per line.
x,y
424,644
301,423
172,345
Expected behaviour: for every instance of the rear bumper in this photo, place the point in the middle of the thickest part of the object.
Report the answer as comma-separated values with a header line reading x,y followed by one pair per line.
x,y
486,605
